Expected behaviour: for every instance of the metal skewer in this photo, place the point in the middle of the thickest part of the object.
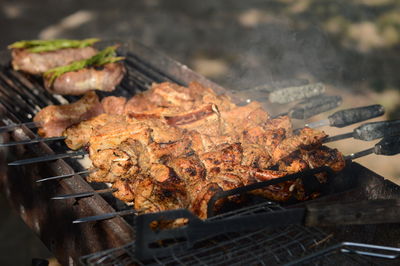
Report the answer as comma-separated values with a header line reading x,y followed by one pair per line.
x,y
84,194
31,141
104,216
66,175
13,126
47,158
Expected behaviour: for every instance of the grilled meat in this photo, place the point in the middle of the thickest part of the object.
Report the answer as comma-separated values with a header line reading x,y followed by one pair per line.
x,y
171,99
105,78
175,147
53,120
126,189
128,157
114,105
306,137
145,105
38,63
78,135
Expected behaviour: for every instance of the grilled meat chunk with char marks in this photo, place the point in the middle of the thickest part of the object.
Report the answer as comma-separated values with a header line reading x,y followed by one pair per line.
x,y
126,188
105,78
77,136
324,156
174,98
201,101
53,120
164,147
298,161
38,63
306,137
114,105
153,196
132,146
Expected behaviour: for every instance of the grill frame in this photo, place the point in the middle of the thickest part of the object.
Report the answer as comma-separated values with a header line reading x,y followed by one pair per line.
x,y
69,242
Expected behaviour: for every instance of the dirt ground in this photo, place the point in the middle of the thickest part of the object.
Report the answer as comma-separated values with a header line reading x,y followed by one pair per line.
x,y
352,46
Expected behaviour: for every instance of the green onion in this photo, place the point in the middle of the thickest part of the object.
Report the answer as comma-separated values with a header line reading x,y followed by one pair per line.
x,y
108,55
37,46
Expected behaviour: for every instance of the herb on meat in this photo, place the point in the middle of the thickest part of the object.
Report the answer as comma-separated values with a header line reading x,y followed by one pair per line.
x,y
108,55
37,46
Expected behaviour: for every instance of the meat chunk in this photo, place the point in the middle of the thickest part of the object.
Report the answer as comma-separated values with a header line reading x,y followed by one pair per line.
x,y
153,196
114,105
176,147
78,135
38,63
147,105
172,99
53,120
104,78
306,137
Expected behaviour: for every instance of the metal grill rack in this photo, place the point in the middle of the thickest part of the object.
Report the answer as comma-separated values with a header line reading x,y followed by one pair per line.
x,y
350,253
21,96
290,245
266,246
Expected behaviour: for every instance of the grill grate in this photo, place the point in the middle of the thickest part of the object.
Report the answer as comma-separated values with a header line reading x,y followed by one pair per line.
x,y
21,96
261,247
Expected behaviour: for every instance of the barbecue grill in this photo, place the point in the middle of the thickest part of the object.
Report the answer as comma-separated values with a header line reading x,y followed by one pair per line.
x,y
112,241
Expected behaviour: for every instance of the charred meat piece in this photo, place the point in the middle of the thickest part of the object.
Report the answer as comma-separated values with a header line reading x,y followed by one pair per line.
x,y
53,120
114,105
79,134
126,188
202,102
154,196
175,147
324,156
124,149
105,78
170,99
306,137
38,63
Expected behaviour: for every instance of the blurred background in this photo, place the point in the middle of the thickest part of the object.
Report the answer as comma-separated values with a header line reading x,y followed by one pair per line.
x,y
352,46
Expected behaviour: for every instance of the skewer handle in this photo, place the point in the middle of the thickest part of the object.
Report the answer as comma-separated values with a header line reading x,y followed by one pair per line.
x,y
388,146
376,130
370,131
275,85
354,115
291,94
314,106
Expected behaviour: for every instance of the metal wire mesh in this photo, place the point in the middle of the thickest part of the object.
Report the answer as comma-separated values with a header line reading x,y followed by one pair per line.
x,y
264,247
351,253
